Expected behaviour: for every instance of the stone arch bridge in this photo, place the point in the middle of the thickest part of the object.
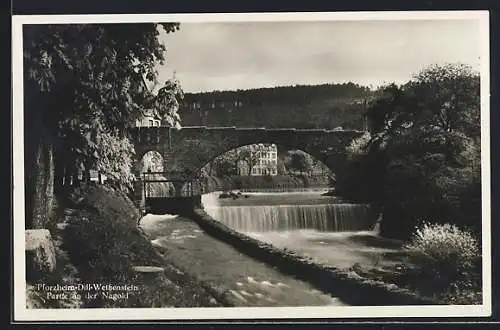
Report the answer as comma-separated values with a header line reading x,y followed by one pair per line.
x,y
188,149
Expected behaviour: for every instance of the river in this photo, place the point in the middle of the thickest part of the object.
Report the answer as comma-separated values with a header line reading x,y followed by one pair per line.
x,y
245,281
323,228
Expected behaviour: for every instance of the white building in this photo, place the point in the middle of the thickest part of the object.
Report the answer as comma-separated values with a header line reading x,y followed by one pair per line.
x,y
150,118
264,158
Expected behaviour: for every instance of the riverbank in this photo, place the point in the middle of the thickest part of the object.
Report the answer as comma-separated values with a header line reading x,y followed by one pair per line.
x,y
103,246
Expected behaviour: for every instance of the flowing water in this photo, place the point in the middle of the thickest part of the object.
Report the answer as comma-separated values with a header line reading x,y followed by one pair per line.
x,y
320,217
323,228
268,212
244,280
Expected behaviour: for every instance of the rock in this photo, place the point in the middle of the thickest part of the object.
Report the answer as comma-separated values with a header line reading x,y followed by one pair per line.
x,y
392,287
239,296
40,252
62,225
148,269
353,275
33,299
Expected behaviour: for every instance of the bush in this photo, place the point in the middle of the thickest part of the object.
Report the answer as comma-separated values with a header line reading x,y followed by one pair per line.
x,y
447,257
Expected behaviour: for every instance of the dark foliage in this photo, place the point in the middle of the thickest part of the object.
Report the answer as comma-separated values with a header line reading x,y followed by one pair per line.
x,y
319,106
422,160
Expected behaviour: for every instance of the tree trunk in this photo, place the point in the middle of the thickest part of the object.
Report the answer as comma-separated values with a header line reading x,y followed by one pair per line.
x,y
76,178
41,193
68,174
86,173
59,168
39,164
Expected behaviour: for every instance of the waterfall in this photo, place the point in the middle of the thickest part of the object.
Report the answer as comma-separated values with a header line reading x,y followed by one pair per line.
x,y
320,217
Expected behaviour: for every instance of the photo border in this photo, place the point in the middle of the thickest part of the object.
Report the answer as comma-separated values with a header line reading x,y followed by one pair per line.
x,y
21,313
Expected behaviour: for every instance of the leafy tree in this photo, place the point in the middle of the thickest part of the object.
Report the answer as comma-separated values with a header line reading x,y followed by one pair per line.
x,y
422,159
248,154
115,158
166,102
81,81
299,161
224,166
152,161
359,145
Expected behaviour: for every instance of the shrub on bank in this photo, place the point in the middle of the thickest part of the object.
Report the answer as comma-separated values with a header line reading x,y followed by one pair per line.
x,y
448,259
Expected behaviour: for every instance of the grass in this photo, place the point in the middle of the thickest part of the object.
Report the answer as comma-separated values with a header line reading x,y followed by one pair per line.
x,y
104,244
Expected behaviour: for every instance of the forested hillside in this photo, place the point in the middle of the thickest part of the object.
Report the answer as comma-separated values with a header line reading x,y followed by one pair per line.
x,y
319,106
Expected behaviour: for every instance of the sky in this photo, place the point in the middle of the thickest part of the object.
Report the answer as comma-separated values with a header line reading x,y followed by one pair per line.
x,y
244,55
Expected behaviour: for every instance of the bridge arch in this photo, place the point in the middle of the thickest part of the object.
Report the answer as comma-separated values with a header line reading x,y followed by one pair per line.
x,y
227,149
285,175
150,161
188,149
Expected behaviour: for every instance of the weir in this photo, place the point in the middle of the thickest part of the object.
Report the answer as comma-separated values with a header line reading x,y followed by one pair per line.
x,y
320,217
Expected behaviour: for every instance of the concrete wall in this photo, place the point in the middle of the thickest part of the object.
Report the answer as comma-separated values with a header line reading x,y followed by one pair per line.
x,y
172,205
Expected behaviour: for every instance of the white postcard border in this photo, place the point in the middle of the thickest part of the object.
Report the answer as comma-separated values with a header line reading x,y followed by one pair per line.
x,y
21,313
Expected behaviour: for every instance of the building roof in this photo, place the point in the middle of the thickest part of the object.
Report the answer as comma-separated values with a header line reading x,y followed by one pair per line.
x,y
151,113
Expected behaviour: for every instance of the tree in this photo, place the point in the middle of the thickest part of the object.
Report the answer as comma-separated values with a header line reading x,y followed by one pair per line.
x,y
421,161
299,161
250,155
166,102
115,159
224,166
152,161
81,81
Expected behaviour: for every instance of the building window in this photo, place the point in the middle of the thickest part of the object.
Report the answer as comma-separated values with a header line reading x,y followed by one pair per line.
x,y
151,122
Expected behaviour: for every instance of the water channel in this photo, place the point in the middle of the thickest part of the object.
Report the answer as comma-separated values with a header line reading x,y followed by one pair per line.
x,y
320,227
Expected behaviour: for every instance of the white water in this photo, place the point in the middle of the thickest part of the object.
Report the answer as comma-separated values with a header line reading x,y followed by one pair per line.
x,y
323,217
